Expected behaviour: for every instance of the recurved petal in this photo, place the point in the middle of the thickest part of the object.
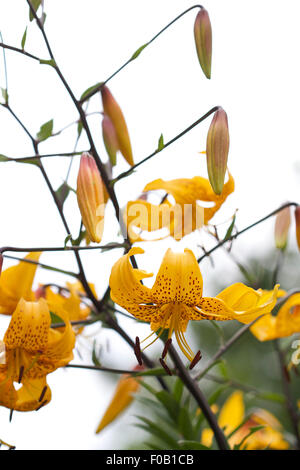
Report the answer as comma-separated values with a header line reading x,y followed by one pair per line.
x,y
212,308
232,413
16,283
59,349
264,329
125,285
32,395
29,326
179,279
288,317
247,303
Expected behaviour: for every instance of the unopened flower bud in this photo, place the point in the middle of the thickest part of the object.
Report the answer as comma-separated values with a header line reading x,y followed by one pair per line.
x,y
122,398
217,148
203,41
110,139
297,219
90,197
282,225
114,112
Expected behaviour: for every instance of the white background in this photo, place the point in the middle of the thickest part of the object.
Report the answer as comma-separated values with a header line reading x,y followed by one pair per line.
x,y
255,78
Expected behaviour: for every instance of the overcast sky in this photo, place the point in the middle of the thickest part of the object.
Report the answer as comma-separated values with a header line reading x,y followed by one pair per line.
x,y
255,78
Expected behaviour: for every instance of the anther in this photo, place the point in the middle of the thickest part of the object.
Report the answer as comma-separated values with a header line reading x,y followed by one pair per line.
x,y
137,351
196,359
165,366
11,415
21,374
43,393
41,405
166,348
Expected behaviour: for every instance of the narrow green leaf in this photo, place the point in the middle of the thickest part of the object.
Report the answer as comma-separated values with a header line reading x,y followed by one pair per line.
x,y
24,39
35,4
185,424
160,143
138,51
62,193
79,128
3,158
157,431
45,131
229,231
55,318
48,62
95,357
88,90
4,94
170,404
178,389
192,445
68,238
30,161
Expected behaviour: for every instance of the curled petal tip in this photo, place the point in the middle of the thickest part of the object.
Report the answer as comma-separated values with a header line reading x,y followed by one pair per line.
x,y
217,148
203,41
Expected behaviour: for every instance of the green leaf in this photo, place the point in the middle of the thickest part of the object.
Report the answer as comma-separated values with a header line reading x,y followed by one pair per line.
x,y
170,404
35,4
160,143
3,158
48,62
192,445
185,424
4,94
157,431
45,131
68,238
95,357
178,389
55,318
79,128
138,51
88,90
229,231
24,39
30,161
62,193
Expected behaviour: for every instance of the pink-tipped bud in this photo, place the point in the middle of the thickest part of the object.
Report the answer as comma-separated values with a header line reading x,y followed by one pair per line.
x,y
90,197
297,219
203,41
110,139
217,148
282,225
114,112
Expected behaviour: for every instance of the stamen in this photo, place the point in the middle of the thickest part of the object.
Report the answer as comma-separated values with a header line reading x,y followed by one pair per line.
x,y
165,366
43,393
166,348
41,405
196,359
21,374
137,351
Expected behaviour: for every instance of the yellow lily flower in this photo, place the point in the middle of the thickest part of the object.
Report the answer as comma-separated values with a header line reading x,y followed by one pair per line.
x,y
71,304
181,218
285,323
232,415
176,296
122,398
16,283
30,351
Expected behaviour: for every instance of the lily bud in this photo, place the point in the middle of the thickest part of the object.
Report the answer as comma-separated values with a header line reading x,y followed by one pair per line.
x,y
282,225
122,398
110,139
217,148
90,197
203,41
297,219
114,112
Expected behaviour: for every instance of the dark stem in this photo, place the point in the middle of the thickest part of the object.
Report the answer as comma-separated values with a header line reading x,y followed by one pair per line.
x,y
194,389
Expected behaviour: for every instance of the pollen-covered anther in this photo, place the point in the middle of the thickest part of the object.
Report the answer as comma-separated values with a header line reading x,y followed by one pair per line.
x,y
21,374
137,351
166,348
43,393
164,365
196,359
